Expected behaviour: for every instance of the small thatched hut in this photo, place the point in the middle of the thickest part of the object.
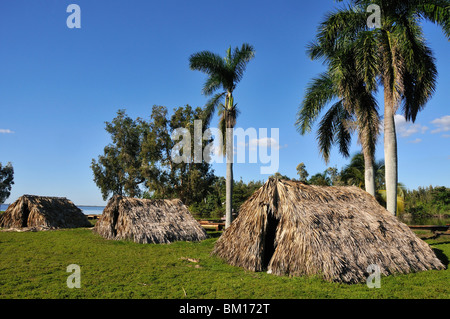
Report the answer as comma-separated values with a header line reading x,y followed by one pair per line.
x,y
289,228
31,211
148,221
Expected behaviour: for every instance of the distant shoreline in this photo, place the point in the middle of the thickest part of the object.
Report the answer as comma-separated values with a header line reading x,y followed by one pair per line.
x,y
75,205
87,209
90,205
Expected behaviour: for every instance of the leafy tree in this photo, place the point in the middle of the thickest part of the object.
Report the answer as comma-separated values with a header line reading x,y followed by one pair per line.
x,y
217,196
223,76
243,191
333,174
441,196
117,171
426,202
186,180
321,179
139,160
302,172
279,176
6,181
156,162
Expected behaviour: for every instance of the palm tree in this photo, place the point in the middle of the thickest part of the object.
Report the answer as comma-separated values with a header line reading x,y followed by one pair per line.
x,y
353,173
355,109
395,55
223,76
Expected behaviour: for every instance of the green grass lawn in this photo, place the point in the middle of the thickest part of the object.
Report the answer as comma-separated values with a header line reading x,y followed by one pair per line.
x,y
33,265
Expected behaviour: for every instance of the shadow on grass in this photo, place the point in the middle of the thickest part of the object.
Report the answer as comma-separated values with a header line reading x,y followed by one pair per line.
x,y
441,243
441,256
214,234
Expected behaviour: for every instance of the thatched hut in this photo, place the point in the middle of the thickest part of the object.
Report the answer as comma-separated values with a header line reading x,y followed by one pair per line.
x,y
148,221
31,211
290,228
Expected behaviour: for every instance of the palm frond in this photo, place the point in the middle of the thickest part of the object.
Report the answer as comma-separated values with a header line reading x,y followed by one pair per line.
x,y
315,51
367,58
340,28
239,60
207,62
223,128
436,11
319,92
343,132
368,121
211,106
392,67
420,85
420,74
333,128
212,84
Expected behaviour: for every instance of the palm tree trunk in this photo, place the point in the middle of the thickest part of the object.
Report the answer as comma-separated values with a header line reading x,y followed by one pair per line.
x,y
229,176
229,193
390,154
369,173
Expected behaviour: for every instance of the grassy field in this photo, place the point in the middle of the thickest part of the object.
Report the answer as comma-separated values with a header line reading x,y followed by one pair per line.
x,y
33,265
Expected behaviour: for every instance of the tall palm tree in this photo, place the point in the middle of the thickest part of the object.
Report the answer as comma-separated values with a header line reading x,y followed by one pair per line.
x,y
395,55
223,76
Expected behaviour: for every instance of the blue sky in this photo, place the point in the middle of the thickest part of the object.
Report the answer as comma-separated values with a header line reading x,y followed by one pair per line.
x,y
58,85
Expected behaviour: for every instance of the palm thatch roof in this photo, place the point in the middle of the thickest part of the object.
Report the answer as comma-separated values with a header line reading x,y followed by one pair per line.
x,y
43,212
290,228
148,221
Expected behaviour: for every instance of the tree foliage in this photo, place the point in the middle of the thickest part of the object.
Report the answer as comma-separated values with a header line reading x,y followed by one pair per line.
x,y
117,171
164,178
213,205
428,201
6,181
138,162
353,173
302,172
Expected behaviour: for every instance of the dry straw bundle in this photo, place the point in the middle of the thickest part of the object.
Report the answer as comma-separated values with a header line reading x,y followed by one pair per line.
x,y
39,212
290,228
148,221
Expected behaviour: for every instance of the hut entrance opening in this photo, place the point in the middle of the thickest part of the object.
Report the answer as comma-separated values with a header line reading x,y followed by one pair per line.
x,y
114,221
25,215
269,239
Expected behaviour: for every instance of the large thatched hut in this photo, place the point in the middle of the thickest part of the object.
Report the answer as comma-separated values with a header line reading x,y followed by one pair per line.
x,y
148,221
31,211
289,228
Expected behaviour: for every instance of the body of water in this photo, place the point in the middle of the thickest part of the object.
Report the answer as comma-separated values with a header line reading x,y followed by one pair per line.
x,y
92,210
87,210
